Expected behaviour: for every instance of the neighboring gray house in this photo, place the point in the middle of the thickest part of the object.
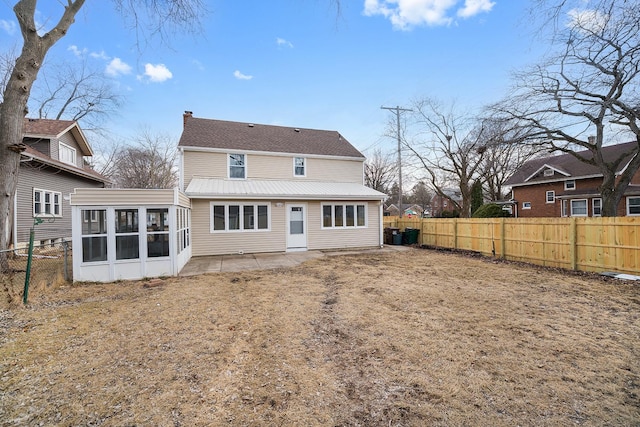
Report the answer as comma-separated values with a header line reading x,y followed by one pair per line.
x,y
52,165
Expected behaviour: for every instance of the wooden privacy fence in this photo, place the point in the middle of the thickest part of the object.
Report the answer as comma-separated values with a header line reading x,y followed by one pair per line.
x,y
585,244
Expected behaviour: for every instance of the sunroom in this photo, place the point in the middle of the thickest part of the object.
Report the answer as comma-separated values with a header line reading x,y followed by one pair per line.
x,y
129,234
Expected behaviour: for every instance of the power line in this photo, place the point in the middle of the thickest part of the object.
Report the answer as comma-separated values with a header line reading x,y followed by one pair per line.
x,y
397,109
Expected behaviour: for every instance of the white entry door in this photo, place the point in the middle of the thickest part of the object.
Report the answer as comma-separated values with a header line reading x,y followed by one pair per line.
x,y
296,227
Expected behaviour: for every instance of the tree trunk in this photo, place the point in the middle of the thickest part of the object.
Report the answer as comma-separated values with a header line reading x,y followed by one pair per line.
x,y
14,106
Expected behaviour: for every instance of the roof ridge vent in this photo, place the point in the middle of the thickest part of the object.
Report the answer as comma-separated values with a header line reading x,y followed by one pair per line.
x,y
297,130
251,125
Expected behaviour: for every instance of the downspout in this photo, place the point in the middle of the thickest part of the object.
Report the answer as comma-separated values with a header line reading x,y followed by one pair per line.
x,y
181,167
381,219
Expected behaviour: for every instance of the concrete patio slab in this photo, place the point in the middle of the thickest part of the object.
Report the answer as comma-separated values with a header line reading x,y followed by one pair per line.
x,y
246,262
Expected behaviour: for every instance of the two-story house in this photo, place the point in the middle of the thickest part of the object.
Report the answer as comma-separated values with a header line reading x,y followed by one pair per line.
x,y
261,188
560,186
52,165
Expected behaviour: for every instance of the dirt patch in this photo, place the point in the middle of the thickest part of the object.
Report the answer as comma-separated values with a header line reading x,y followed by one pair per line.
x,y
401,339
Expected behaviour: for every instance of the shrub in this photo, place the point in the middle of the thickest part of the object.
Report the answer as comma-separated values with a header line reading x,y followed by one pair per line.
x,y
490,210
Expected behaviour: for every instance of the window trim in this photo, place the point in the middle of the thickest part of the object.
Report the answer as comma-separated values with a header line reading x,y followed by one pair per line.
x,y
526,205
593,206
586,207
53,195
553,196
343,207
241,220
628,205
304,167
72,151
567,187
244,165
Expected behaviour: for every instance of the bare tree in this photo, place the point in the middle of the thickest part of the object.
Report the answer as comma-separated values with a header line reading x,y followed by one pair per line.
x,y
380,171
71,92
588,93
148,163
152,15
451,147
421,195
506,152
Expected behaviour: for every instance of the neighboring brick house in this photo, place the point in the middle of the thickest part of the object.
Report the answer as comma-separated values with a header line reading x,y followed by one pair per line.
x,y
443,206
560,186
51,166
409,210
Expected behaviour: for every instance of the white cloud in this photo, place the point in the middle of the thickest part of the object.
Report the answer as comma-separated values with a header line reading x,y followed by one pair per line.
x,y
474,7
117,67
76,50
283,42
100,55
9,27
587,20
238,75
156,73
406,14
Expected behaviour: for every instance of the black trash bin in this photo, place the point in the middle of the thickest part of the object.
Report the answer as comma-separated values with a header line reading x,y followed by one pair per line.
x,y
389,232
397,237
410,236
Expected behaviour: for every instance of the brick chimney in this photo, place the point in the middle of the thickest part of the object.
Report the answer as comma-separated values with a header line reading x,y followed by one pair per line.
x,y
186,116
592,139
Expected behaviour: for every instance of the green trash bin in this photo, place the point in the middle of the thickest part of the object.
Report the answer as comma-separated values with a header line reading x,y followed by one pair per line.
x,y
410,236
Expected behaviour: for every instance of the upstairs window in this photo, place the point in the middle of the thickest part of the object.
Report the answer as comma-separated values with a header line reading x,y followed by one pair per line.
x,y
570,184
67,154
526,205
237,166
299,166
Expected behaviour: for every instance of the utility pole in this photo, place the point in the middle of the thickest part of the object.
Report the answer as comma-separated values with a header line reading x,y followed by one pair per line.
x,y
397,109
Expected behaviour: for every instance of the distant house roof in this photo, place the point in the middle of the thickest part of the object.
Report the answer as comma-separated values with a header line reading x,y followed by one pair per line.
x,y
267,189
225,135
566,166
48,128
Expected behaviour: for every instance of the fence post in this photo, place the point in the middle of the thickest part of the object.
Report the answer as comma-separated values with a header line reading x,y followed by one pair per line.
x,y
573,244
503,239
65,248
455,233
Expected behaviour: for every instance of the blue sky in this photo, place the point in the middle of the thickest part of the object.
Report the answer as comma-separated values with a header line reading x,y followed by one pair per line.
x,y
295,63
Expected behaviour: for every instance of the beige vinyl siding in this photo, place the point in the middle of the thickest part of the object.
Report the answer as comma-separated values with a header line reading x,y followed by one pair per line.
x,y
124,197
204,164
42,145
33,175
204,242
342,238
279,167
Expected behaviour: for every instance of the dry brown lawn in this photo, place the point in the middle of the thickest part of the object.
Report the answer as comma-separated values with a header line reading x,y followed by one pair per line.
x,y
417,338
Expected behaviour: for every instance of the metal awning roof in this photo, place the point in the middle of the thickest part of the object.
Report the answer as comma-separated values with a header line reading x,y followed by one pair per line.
x,y
210,188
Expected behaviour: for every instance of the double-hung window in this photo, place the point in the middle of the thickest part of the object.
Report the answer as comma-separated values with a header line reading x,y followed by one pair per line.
x,y
570,184
299,166
633,206
237,166
551,196
343,216
47,203
596,205
239,217
579,207
67,154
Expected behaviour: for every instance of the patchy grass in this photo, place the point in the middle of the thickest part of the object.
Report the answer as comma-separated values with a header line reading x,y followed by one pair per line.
x,y
403,339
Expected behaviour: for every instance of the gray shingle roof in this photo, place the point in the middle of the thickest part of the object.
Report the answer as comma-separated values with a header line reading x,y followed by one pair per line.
x,y
220,134
571,166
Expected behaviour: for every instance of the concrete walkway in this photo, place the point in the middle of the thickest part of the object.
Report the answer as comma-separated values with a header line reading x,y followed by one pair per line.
x,y
262,261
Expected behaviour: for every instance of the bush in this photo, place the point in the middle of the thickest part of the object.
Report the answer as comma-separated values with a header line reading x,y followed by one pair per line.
x,y
490,210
